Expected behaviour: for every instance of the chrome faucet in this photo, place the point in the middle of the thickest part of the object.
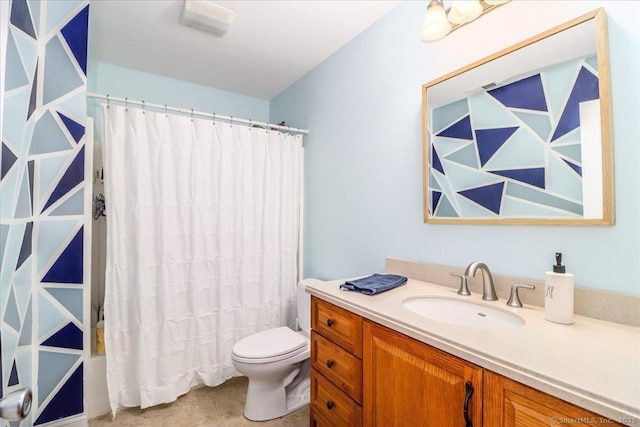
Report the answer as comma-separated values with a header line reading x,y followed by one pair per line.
x,y
488,290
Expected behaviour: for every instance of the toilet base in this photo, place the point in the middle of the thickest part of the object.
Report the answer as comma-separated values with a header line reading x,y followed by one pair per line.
x,y
266,400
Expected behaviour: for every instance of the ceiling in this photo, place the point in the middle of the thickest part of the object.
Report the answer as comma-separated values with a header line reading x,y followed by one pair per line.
x,y
269,45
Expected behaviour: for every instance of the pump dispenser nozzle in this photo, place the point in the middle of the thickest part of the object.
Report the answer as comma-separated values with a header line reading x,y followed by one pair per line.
x,y
558,267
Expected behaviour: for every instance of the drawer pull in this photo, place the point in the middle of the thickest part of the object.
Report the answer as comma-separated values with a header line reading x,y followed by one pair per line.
x,y
329,363
469,392
330,405
329,322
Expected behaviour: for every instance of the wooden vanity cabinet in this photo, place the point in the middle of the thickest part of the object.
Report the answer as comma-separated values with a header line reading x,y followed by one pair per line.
x,y
408,383
508,403
336,362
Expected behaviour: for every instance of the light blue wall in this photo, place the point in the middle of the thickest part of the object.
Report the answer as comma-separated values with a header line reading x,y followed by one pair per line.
x,y
109,79
363,156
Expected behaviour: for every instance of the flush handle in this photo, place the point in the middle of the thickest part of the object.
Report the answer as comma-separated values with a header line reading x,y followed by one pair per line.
x,y
329,363
469,392
330,322
330,406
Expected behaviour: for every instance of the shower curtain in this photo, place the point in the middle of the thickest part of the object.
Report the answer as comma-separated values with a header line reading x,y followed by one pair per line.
x,y
202,240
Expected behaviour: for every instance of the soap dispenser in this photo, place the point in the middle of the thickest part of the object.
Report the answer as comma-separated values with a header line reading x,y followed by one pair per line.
x,y
558,294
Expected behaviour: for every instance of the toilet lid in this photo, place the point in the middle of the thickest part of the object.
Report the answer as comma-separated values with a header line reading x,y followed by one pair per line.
x,y
270,343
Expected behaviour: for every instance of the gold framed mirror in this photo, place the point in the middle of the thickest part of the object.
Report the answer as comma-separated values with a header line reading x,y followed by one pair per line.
x,y
524,136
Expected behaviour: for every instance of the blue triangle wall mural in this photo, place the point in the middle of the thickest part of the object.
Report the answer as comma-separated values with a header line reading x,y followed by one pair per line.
x,y
489,196
68,268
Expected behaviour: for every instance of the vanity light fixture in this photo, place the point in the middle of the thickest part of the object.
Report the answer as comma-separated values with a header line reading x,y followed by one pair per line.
x,y
207,16
439,22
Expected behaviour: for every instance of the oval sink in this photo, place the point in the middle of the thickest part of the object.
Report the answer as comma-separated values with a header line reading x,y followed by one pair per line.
x,y
463,313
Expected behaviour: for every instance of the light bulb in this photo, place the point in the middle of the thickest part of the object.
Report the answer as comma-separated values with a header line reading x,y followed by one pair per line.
x,y
435,24
463,11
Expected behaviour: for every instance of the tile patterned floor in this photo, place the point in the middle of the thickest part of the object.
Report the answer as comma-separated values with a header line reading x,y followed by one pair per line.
x,y
220,406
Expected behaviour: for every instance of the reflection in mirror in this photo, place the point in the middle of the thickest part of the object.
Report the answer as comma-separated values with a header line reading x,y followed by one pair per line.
x,y
523,136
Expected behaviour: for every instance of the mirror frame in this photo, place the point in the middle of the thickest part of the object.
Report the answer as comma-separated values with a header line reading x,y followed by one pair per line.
x,y
604,83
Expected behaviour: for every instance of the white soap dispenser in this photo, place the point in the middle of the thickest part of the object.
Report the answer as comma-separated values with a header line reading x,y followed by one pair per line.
x,y
558,294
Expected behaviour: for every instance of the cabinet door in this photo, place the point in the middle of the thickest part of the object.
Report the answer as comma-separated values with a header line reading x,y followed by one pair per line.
x,y
508,403
408,383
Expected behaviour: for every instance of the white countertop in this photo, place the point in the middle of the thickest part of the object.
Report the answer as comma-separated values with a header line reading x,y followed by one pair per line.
x,y
591,363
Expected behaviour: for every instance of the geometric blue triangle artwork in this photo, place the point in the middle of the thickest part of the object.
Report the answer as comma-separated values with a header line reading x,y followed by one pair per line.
x,y
437,165
435,198
526,93
13,377
460,130
21,17
68,401
26,247
73,176
75,129
8,160
584,89
577,169
33,98
489,196
30,169
490,140
533,176
68,268
75,33
68,337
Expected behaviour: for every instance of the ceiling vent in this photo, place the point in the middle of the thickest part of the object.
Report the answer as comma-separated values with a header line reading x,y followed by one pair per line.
x,y
207,16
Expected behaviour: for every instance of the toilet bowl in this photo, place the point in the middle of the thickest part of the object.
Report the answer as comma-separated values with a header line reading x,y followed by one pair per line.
x,y
276,362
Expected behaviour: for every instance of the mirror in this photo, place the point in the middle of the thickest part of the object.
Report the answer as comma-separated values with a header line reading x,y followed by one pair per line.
x,y
524,135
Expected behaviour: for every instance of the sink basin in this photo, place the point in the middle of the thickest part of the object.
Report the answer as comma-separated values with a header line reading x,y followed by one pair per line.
x,y
463,313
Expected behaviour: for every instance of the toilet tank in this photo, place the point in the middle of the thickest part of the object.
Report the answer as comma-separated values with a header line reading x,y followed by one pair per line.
x,y
304,305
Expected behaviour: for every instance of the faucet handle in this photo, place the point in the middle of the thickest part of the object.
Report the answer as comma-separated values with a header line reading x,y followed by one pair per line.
x,y
514,298
464,289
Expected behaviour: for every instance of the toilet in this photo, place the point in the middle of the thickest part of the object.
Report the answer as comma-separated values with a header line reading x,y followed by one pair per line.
x,y
276,361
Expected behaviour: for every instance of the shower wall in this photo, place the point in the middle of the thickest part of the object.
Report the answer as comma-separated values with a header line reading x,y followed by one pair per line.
x,y
43,207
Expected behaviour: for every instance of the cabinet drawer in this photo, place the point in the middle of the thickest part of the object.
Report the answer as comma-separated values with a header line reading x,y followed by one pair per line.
x,y
338,365
338,325
331,404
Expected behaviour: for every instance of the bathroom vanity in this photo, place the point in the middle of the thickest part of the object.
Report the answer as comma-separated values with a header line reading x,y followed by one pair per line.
x,y
375,363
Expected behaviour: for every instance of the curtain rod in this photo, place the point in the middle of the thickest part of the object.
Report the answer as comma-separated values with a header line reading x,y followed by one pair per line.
x,y
192,112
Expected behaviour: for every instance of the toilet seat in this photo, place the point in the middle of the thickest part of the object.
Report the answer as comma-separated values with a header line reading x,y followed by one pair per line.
x,y
271,345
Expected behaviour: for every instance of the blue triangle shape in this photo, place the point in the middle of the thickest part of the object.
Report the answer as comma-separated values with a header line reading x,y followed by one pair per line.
x,y
533,176
68,337
8,160
526,93
33,98
585,89
490,140
489,196
27,245
68,401
435,160
577,169
460,129
21,17
75,33
435,198
75,129
13,376
30,169
73,176
68,268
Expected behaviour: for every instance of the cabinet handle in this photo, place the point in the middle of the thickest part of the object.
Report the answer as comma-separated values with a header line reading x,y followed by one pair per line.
x,y
330,406
329,322
329,363
469,388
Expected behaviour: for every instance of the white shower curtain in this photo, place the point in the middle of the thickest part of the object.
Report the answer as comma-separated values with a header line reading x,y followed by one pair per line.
x,y
202,240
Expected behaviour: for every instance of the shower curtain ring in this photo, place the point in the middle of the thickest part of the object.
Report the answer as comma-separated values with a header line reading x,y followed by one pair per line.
x,y
165,111
108,102
142,106
126,104
250,124
192,114
231,122
213,121
268,124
